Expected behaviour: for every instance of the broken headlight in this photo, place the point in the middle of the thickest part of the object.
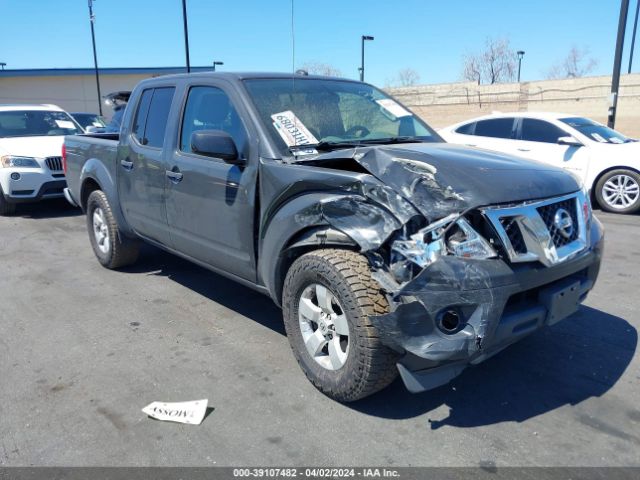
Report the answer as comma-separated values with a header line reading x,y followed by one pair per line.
x,y
453,235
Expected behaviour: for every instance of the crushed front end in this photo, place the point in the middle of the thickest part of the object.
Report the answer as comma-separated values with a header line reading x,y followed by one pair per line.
x,y
467,286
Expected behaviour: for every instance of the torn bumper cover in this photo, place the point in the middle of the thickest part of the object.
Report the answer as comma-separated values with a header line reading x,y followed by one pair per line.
x,y
458,311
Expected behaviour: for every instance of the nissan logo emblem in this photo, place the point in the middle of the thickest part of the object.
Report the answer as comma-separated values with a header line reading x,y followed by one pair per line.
x,y
563,222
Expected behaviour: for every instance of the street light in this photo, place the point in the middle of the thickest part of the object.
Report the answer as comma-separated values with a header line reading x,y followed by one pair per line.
x,y
186,34
633,37
216,62
617,63
92,20
520,54
364,39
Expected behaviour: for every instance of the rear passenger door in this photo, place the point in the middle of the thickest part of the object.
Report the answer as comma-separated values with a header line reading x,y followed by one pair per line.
x,y
210,202
142,166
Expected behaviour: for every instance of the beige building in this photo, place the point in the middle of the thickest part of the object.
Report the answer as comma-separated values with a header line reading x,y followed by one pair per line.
x,y
74,89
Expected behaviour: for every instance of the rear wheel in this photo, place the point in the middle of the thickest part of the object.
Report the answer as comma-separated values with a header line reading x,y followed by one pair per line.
x,y
328,299
6,208
618,191
110,246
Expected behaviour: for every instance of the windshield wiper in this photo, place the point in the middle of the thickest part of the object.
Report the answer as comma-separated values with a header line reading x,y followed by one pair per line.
x,y
328,146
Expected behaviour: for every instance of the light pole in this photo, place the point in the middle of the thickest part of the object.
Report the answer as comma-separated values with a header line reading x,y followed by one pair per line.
x,y
216,62
186,34
520,54
364,39
617,63
633,36
92,20
2,65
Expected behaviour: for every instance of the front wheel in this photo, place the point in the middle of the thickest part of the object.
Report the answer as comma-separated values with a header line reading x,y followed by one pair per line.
x,y
618,191
111,247
6,208
328,299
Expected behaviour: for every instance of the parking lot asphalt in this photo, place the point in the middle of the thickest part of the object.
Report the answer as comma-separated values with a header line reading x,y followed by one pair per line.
x,y
84,349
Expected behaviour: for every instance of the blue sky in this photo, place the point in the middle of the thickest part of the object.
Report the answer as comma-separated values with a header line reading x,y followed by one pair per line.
x,y
249,35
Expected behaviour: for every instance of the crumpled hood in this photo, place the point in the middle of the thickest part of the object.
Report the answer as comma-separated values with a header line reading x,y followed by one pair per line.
x,y
440,178
39,147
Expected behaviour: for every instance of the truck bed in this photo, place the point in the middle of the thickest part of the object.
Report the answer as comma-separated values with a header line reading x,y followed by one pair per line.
x,y
84,152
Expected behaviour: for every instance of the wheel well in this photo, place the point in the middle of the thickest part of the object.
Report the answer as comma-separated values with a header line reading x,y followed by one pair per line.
x,y
89,186
310,239
594,199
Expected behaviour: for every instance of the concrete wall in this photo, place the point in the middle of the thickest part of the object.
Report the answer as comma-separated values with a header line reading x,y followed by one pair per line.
x,y
441,105
75,93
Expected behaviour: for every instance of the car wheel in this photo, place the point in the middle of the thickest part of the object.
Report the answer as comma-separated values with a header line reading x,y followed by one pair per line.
x,y
328,298
6,208
110,246
618,191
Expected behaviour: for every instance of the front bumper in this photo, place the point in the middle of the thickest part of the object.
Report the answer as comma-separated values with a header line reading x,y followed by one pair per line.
x,y
32,184
497,303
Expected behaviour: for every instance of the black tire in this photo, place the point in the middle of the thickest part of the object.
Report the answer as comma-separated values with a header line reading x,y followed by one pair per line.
x,y
369,366
6,208
121,251
600,185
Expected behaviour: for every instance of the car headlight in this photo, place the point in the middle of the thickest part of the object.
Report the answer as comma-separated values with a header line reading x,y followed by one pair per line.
x,y
9,161
452,235
465,242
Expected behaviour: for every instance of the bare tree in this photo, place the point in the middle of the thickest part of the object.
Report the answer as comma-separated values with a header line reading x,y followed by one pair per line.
x,y
576,64
496,63
408,77
319,68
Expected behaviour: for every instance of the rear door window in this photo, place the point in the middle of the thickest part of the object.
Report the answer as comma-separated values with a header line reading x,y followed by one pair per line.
x,y
158,115
466,129
534,130
495,128
141,115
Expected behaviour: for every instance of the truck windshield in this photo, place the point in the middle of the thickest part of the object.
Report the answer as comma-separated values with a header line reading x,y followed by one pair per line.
x,y
36,123
319,112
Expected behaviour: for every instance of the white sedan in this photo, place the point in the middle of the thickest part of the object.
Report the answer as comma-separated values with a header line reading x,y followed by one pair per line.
x,y
607,162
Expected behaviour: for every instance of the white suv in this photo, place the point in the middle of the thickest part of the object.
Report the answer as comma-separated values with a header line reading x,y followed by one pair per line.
x,y
31,138
607,162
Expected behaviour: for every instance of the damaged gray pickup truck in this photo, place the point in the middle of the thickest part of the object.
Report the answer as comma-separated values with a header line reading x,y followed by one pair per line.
x,y
388,249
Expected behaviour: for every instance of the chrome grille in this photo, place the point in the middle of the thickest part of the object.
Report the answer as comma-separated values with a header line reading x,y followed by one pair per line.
x,y
512,230
548,212
54,163
548,231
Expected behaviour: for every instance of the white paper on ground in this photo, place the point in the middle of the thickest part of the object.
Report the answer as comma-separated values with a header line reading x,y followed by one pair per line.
x,y
291,129
65,124
182,412
393,108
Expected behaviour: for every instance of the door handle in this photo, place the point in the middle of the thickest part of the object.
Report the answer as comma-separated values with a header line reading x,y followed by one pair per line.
x,y
127,165
524,149
471,145
174,176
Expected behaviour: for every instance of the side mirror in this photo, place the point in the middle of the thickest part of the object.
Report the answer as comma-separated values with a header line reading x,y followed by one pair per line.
x,y
569,141
215,143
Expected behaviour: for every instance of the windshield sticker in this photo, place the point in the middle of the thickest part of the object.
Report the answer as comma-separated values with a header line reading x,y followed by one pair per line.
x,y
292,130
393,108
599,137
65,124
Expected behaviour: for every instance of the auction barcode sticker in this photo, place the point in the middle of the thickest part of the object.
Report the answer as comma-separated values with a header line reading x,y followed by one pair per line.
x,y
291,129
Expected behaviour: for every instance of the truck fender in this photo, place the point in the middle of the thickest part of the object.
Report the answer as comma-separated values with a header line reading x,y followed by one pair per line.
x,y
319,220
94,172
